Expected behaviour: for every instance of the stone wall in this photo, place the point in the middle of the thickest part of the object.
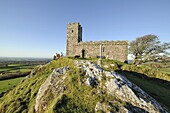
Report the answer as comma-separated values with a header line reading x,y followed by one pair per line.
x,y
117,50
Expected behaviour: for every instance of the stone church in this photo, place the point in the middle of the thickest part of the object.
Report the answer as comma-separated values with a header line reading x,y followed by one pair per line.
x,y
116,50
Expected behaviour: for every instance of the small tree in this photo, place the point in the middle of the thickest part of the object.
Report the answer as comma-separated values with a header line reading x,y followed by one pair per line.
x,y
148,48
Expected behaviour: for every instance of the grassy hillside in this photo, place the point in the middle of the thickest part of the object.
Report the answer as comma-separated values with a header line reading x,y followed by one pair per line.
x,y
155,81
8,84
160,90
82,98
22,98
148,71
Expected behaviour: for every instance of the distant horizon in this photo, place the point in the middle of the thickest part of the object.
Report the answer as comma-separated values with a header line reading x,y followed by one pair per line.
x,y
38,29
27,57
129,57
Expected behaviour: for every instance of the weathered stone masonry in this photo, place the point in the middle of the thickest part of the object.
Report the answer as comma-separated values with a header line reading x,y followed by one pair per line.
x,y
117,50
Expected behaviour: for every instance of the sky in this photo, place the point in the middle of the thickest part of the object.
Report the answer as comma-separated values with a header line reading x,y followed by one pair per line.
x,y
38,28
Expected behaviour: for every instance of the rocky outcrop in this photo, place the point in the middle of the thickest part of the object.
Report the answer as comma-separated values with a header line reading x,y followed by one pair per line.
x,y
84,88
93,72
129,92
104,107
52,87
119,86
111,83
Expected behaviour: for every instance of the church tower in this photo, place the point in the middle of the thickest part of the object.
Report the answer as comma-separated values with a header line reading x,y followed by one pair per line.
x,y
74,36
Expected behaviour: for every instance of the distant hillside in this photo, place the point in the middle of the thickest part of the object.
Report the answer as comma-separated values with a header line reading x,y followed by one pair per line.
x,y
20,60
71,86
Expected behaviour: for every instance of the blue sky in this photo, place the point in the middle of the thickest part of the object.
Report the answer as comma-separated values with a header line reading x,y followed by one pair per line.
x,y
37,28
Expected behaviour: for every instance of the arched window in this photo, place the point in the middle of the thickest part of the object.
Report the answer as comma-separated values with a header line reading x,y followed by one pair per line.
x,y
72,31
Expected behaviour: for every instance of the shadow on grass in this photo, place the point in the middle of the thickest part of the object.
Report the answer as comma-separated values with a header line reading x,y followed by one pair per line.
x,y
145,77
155,87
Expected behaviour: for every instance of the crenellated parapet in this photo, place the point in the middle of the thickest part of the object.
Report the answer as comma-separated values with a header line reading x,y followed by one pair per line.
x,y
104,42
73,24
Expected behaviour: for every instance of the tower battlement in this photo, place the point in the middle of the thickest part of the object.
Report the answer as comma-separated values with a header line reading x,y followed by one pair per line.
x,y
73,23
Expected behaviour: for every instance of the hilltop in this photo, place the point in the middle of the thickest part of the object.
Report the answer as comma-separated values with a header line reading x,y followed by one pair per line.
x,y
68,85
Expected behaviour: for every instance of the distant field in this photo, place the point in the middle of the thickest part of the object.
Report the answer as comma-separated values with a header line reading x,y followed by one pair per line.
x,y
12,65
16,68
9,84
12,70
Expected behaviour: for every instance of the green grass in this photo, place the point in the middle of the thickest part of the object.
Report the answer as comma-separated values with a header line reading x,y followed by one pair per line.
x,y
9,84
81,97
165,70
157,90
78,97
21,70
15,70
22,98
109,61
163,67
148,71
17,67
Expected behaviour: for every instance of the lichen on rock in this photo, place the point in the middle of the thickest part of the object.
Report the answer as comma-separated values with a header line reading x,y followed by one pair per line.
x,y
52,87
